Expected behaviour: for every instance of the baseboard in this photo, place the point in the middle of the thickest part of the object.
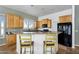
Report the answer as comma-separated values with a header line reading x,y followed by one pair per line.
x,y
76,45
2,44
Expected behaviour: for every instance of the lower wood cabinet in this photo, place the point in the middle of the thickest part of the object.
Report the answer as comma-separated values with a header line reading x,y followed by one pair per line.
x,y
11,39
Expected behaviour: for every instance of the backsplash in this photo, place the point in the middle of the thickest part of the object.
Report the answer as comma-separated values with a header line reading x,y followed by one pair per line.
x,y
14,30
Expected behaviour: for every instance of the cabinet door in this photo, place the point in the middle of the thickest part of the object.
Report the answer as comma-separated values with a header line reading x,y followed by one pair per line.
x,y
61,19
16,22
46,21
11,39
69,19
10,21
21,22
36,24
65,19
49,23
40,24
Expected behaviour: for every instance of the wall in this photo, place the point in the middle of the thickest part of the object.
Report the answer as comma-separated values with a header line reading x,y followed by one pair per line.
x,y
55,17
77,25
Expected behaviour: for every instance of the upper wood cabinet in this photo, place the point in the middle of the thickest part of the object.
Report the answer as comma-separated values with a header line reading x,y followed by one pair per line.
x,y
49,24
43,21
10,20
37,24
14,21
65,19
20,22
47,21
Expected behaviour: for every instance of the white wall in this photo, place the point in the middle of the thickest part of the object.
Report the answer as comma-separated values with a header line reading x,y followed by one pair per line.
x,y
77,25
55,17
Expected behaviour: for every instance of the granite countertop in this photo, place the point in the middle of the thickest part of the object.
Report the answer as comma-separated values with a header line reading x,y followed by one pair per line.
x,y
38,32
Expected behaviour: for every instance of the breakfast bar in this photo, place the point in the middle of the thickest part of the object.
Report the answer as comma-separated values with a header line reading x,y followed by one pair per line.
x,y
38,38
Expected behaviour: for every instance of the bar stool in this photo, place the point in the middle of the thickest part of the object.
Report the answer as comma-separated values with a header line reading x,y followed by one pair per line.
x,y
26,42
49,42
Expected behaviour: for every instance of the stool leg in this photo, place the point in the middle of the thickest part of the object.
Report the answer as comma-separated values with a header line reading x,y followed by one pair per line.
x,y
24,50
21,50
30,50
51,50
43,48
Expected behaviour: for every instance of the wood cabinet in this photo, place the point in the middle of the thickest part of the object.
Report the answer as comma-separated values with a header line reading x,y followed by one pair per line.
x,y
44,21
14,21
37,24
10,20
20,22
65,19
47,21
49,24
11,39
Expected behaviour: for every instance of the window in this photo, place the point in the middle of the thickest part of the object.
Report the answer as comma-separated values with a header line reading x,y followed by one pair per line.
x,y
2,26
29,24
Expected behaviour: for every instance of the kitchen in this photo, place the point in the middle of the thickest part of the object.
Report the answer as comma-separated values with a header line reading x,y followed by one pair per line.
x,y
21,23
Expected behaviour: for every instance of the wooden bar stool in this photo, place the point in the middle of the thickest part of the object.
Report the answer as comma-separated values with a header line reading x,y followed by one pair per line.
x,y
49,42
26,42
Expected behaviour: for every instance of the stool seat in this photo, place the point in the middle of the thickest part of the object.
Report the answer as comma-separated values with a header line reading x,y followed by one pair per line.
x,y
49,43
27,43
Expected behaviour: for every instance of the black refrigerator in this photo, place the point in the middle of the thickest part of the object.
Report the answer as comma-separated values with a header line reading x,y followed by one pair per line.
x,y
65,35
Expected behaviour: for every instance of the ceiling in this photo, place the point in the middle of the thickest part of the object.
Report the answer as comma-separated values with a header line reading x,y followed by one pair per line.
x,y
39,10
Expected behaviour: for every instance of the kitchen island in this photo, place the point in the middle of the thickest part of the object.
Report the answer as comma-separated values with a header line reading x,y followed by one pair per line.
x,y
38,38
